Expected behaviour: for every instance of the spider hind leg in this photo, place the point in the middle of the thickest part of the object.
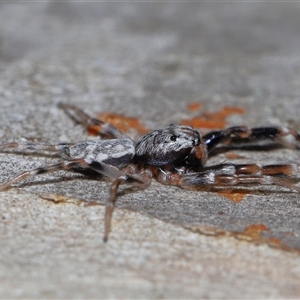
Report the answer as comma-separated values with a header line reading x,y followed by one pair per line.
x,y
36,147
64,165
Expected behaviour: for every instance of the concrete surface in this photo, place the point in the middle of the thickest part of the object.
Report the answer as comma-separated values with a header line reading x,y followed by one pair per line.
x,y
147,60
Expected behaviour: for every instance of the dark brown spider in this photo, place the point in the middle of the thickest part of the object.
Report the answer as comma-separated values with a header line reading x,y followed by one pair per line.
x,y
175,155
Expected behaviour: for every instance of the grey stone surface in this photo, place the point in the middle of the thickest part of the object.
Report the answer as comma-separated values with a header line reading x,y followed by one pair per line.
x,y
147,60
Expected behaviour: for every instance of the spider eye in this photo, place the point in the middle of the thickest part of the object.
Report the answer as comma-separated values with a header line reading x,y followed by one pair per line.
x,y
173,138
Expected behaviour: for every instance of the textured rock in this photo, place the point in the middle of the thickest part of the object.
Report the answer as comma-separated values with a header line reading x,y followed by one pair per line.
x,y
148,60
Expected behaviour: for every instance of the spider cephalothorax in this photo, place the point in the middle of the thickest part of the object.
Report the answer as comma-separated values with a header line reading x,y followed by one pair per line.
x,y
171,145
175,155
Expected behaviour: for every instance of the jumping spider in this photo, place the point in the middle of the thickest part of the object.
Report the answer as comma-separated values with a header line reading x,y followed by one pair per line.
x,y
174,155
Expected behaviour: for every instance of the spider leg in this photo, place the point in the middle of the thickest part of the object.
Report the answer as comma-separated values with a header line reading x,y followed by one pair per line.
x,y
81,117
244,133
142,180
100,167
64,165
36,146
231,174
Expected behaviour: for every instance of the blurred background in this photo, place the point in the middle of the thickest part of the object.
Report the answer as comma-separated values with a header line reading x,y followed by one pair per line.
x,y
155,55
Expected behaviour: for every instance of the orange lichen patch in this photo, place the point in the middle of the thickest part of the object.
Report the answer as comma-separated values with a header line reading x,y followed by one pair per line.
x,y
193,106
256,228
120,121
200,122
252,232
93,129
232,155
235,196
92,203
57,199
224,112
206,230
216,120
275,242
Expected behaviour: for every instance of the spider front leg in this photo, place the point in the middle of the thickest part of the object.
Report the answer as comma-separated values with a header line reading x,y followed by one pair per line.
x,y
132,176
244,133
230,175
103,128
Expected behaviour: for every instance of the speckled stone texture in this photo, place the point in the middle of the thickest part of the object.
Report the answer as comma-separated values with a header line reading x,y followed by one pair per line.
x,y
148,60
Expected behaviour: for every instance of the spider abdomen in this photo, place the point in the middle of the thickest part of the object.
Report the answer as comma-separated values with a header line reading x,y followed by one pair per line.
x,y
115,152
